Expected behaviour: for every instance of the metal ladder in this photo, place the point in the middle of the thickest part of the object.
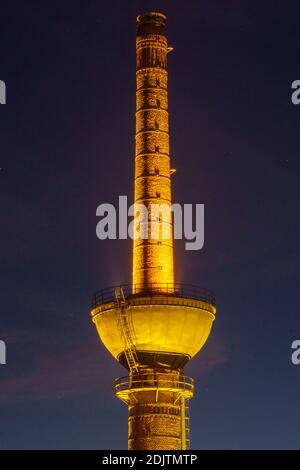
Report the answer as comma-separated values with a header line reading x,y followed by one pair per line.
x,y
126,331
185,424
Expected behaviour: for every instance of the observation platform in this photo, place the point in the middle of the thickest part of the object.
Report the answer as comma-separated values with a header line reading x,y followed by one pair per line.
x,y
179,384
158,292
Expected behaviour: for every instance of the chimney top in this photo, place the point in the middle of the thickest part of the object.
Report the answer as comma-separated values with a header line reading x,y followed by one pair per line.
x,y
151,23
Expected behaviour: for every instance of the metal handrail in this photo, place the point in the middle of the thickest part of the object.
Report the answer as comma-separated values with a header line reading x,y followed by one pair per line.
x,y
154,381
170,289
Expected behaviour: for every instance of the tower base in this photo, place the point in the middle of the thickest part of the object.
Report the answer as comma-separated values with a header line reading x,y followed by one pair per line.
x,y
156,400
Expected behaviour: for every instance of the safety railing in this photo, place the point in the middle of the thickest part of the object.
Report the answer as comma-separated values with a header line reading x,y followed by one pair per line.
x,y
160,381
176,290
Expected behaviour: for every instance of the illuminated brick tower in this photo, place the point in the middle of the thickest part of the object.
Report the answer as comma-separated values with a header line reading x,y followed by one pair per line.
x,y
152,259
154,326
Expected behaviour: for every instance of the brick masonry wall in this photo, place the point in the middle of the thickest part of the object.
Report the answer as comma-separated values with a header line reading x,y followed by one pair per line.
x,y
154,420
153,258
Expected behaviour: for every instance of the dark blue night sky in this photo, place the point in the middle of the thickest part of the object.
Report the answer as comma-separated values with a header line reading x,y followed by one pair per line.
x,y
67,145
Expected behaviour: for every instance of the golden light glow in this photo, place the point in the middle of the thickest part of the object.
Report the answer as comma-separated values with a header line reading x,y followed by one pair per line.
x,y
152,258
176,325
154,326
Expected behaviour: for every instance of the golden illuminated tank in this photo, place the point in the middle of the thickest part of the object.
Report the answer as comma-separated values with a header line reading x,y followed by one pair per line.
x,y
168,328
154,326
